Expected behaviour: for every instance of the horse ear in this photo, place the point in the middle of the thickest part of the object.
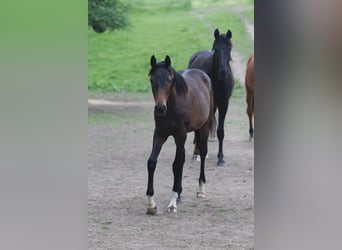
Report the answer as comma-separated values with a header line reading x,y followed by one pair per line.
x,y
229,34
167,61
216,33
153,61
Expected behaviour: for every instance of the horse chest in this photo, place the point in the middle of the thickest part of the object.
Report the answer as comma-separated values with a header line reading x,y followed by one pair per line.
x,y
169,126
222,89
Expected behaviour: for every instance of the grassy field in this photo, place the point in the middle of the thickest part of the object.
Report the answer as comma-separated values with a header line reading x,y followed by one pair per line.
x,y
119,60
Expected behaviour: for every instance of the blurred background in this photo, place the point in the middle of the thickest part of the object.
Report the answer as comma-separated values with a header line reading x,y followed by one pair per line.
x,y
122,37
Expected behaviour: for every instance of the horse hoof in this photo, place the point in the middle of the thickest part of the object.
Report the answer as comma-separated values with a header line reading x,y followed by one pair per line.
x,y
196,158
200,195
172,209
221,163
151,210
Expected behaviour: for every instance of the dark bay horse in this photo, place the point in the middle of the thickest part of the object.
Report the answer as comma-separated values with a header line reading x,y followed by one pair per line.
x,y
183,103
249,84
215,63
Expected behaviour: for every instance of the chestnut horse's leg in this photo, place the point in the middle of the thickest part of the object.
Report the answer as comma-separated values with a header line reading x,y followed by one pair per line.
x,y
203,145
222,109
250,110
177,168
158,141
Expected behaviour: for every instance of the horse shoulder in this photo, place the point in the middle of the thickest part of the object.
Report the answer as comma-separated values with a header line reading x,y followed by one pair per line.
x,y
198,82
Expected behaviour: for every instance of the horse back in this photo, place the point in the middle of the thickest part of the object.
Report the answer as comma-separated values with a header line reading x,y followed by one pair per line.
x,y
199,97
202,60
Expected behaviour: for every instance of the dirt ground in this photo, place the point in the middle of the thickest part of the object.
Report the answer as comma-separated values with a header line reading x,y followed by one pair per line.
x,y
120,132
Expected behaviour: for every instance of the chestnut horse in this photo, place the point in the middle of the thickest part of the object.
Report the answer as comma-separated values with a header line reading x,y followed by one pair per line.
x,y
249,83
183,103
215,63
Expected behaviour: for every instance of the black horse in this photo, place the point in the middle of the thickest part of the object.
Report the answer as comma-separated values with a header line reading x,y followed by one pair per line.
x,y
216,64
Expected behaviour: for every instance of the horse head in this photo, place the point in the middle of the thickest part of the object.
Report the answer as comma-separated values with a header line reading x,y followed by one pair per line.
x,y
161,78
222,48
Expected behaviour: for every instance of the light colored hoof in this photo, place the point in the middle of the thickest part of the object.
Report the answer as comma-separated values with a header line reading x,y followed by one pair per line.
x,y
200,195
196,158
221,163
172,209
151,210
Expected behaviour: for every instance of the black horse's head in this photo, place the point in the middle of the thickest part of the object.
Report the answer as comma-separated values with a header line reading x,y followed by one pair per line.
x,y
161,77
222,47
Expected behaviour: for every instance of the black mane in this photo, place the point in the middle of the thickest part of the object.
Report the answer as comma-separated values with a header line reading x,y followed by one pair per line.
x,y
178,80
181,86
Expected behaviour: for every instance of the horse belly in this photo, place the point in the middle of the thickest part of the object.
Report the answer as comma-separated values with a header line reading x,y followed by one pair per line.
x,y
198,111
198,104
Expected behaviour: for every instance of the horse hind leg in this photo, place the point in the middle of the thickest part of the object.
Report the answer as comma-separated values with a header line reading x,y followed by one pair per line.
x,y
251,130
203,145
196,155
220,132
197,152
250,116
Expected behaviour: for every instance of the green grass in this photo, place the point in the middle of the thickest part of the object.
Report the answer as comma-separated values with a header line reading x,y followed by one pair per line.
x,y
238,90
219,3
159,5
249,14
119,61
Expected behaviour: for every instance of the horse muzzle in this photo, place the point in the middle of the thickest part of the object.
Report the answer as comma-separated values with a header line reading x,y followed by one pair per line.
x,y
160,110
222,75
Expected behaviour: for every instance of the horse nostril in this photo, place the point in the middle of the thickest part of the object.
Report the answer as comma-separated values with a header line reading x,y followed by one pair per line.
x,y
160,110
222,75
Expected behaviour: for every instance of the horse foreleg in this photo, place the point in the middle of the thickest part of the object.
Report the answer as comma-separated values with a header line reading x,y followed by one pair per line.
x,y
177,168
222,109
250,110
203,144
158,141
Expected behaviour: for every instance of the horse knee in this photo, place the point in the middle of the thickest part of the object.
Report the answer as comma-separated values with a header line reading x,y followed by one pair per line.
x,y
220,133
151,165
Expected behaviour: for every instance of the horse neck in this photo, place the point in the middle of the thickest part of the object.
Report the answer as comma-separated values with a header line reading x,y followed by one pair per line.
x,y
179,83
174,97
215,68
